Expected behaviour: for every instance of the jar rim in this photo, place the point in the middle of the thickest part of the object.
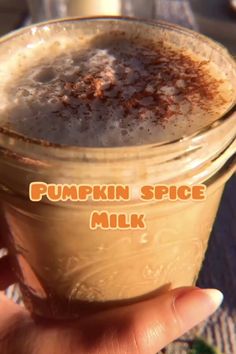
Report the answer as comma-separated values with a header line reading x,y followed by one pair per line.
x,y
16,137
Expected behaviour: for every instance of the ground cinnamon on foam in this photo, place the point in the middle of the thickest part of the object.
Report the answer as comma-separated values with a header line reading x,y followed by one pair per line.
x,y
115,92
183,75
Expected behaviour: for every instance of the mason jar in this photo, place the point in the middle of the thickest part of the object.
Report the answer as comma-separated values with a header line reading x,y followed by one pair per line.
x,y
64,268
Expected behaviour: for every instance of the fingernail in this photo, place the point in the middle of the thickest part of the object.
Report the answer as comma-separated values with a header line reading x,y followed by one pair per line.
x,y
196,305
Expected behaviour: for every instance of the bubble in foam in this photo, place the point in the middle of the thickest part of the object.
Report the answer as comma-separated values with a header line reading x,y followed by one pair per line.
x,y
44,74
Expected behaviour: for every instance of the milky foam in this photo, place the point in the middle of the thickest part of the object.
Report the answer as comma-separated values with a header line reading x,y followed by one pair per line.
x,y
111,90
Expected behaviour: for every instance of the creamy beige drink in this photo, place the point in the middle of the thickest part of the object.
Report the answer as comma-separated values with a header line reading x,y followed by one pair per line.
x,y
111,102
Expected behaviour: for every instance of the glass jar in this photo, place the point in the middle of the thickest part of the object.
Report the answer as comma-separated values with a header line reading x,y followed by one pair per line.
x,y
65,268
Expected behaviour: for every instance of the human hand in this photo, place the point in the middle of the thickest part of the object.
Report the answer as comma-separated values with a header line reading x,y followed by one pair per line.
x,y
143,328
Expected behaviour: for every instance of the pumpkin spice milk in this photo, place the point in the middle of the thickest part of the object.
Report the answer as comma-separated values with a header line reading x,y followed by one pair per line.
x,y
111,102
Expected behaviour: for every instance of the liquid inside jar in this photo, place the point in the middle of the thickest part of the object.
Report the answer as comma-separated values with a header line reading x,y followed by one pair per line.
x,y
111,89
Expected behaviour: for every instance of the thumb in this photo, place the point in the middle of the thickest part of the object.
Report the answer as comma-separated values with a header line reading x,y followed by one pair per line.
x,y
171,315
148,326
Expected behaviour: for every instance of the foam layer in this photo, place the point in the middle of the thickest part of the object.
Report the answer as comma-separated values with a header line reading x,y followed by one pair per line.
x,y
112,90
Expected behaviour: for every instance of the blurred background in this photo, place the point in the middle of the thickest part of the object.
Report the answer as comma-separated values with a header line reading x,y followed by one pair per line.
x,y
215,18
